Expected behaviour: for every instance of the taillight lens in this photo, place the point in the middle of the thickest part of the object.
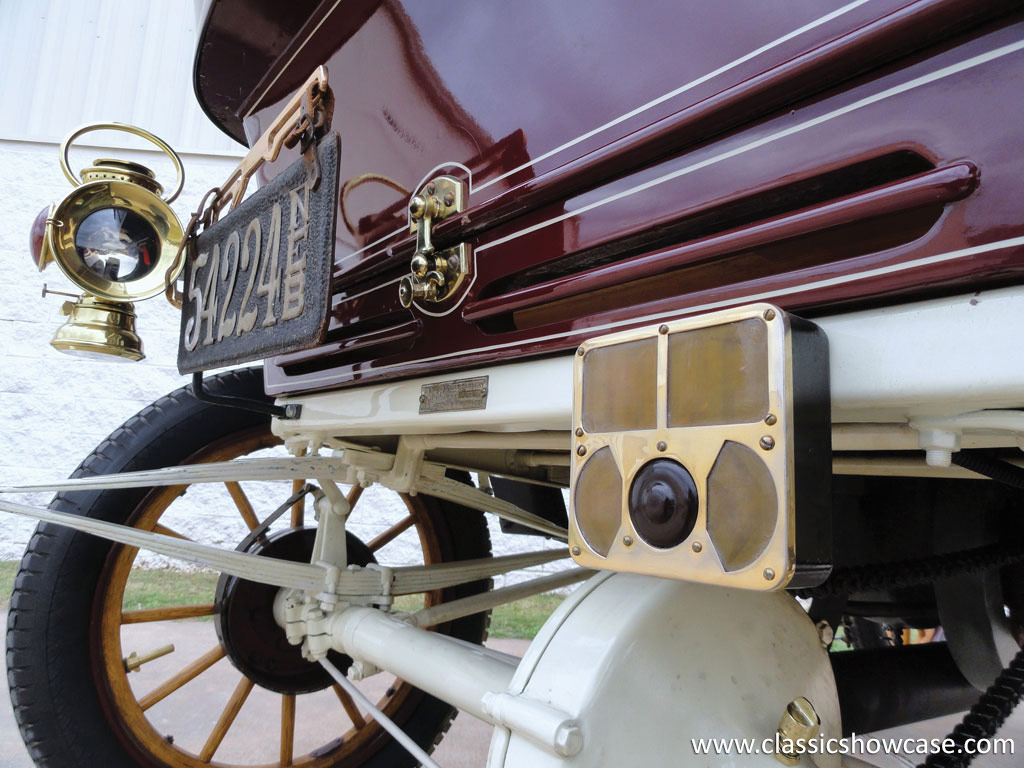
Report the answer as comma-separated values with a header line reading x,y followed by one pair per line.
x,y
37,240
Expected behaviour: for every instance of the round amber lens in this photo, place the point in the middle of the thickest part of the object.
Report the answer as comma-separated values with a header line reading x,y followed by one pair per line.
x,y
117,244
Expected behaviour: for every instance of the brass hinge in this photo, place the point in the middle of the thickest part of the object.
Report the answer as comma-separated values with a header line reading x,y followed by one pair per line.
x,y
435,275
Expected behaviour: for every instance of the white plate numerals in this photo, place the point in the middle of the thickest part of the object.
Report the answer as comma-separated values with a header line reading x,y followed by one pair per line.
x,y
274,287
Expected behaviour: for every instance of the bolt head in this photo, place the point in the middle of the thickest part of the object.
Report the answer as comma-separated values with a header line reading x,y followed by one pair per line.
x,y
579,432
696,546
769,314
449,198
767,442
581,451
419,265
771,419
662,446
431,188
405,292
576,551
663,329
769,574
581,351
627,540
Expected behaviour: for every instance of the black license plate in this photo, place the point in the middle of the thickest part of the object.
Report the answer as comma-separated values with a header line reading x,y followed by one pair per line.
x,y
258,283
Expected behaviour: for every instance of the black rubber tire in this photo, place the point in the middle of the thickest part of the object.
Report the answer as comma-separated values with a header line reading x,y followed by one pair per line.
x,y
51,670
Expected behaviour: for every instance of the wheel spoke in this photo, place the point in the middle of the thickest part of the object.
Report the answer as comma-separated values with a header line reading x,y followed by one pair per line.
x,y
353,494
299,509
350,707
227,717
287,728
391,533
244,507
190,672
168,614
158,528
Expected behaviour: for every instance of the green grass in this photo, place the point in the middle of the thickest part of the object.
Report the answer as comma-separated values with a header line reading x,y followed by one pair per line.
x,y
7,570
160,588
523,618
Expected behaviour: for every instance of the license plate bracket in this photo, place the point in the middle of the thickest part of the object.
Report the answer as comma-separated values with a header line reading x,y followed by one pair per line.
x,y
258,283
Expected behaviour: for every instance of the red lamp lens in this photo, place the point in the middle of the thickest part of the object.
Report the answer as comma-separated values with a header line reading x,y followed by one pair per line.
x,y
37,238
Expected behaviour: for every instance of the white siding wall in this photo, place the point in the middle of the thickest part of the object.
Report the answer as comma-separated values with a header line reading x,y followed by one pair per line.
x,y
69,62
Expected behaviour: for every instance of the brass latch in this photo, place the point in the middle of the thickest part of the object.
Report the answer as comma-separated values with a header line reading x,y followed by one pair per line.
x,y
435,274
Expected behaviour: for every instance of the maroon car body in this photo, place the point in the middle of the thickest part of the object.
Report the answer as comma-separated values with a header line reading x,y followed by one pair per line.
x,y
630,162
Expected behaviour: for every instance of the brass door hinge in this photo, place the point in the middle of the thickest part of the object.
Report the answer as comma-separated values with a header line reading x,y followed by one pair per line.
x,y
435,275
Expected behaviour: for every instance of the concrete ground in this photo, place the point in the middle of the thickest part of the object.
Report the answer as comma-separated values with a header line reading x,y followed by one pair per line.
x,y
189,714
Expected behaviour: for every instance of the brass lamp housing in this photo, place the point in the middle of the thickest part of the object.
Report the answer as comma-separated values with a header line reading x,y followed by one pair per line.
x,y
99,327
102,321
93,196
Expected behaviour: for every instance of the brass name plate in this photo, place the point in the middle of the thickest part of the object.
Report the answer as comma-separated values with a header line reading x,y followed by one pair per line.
x,y
456,395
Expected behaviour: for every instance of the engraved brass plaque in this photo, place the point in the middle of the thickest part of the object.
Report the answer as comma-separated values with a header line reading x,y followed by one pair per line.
x,y
456,395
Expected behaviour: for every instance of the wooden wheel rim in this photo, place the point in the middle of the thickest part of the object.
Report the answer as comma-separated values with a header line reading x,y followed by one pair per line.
x,y
119,701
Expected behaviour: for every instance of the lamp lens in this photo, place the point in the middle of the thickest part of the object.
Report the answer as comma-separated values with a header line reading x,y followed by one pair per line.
x,y
37,237
117,244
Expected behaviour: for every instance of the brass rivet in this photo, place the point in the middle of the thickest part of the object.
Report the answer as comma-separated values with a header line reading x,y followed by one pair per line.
x,y
431,187
769,314
581,451
696,546
627,540
769,574
770,419
662,446
663,329
423,398
767,442
579,432
575,551
449,198
581,351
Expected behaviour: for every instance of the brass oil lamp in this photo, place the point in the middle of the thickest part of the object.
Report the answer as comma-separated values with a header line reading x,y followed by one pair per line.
x,y
117,239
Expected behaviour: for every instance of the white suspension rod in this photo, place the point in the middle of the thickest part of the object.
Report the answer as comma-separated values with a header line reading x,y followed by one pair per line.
x,y
449,670
466,606
386,722
284,468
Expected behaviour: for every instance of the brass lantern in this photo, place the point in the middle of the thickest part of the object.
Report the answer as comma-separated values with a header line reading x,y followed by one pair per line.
x,y
117,239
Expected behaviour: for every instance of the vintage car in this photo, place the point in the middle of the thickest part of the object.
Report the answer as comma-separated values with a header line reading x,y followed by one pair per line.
x,y
739,280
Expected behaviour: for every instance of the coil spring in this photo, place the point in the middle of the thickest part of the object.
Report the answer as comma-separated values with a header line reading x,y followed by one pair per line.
x,y
984,718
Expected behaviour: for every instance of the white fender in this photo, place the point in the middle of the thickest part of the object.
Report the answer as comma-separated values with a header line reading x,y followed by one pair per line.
x,y
643,665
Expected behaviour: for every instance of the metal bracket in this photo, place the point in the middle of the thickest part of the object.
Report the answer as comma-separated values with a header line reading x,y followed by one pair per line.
x,y
290,411
435,274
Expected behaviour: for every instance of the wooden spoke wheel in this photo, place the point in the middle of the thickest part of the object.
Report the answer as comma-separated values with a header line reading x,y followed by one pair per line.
x,y
233,691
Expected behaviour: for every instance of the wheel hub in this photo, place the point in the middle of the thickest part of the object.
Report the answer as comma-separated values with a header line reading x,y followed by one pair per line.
x,y
245,624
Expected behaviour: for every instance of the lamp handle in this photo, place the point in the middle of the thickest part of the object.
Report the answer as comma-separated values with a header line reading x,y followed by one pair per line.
x,y
135,131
